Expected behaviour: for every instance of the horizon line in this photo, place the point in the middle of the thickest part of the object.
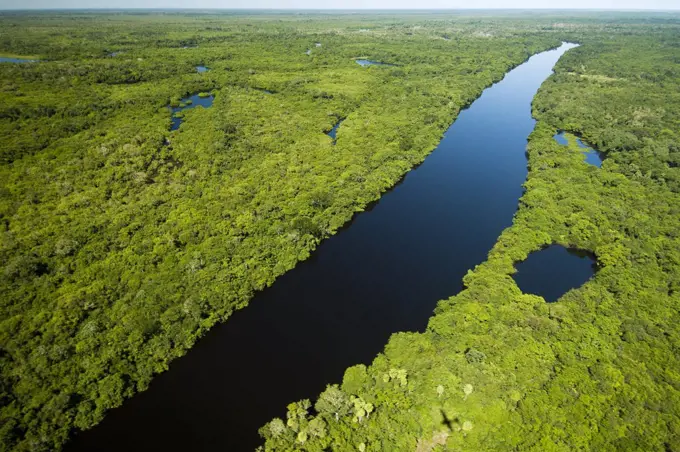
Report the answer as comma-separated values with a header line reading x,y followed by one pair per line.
x,y
510,8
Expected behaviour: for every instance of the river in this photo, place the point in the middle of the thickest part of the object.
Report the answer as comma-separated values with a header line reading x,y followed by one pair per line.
x,y
382,274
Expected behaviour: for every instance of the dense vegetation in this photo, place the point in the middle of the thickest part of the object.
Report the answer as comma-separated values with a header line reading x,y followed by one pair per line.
x,y
123,241
497,369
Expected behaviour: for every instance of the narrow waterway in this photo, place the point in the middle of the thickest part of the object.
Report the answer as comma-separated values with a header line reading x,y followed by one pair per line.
x,y
362,62
187,103
16,60
382,274
592,156
334,131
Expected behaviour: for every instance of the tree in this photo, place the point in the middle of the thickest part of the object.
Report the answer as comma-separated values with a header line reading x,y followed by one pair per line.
x,y
333,401
361,408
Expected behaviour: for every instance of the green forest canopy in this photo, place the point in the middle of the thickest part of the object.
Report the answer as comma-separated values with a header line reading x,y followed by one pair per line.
x,y
123,242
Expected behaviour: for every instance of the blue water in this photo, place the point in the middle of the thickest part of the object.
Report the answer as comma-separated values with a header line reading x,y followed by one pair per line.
x,y
561,138
372,63
383,273
196,101
201,69
16,60
554,271
333,132
592,156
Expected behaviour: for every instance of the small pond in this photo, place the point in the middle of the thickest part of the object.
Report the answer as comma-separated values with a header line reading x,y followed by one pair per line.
x,y
554,271
371,63
333,132
201,69
16,60
188,103
593,157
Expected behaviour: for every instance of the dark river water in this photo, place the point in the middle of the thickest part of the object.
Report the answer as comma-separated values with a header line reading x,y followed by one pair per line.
x,y
553,271
382,274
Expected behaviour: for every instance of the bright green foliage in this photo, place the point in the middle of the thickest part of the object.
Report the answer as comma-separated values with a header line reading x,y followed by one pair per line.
x,y
123,242
361,409
333,402
299,429
396,375
598,370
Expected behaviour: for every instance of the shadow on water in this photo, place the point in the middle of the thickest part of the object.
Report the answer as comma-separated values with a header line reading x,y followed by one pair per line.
x,y
592,156
383,274
554,271
187,103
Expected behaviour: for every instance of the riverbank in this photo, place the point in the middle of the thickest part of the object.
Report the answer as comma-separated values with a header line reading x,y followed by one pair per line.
x,y
497,369
149,237
381,274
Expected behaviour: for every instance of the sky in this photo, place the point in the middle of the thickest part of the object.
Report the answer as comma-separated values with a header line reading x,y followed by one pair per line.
x,y
345,4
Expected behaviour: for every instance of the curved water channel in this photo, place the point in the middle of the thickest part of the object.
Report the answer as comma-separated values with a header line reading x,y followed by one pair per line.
x,y
592,156
204,100
363,62
16,60
382,274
